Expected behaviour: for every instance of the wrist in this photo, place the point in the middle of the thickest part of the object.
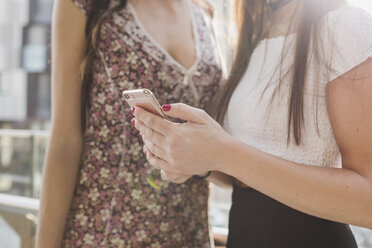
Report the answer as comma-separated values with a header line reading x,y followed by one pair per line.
x,y
229,156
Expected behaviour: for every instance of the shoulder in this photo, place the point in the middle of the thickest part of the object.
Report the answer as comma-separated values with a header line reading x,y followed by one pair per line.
x,y
349,23
346,39
349,15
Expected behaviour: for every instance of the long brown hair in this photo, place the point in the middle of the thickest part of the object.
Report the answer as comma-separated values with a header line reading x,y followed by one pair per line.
x,y
251,18
99,10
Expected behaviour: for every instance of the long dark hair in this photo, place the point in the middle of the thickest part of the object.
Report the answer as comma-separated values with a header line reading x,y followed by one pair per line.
x,y
98,12
251,19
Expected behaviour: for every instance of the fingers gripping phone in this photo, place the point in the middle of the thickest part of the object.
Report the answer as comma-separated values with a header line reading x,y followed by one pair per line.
x,y
145,99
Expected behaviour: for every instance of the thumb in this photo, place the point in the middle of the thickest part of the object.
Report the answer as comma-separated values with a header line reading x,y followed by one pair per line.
x,y
186,113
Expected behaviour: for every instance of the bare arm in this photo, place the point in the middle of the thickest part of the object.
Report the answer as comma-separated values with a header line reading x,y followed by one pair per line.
x,y
65,144
343,195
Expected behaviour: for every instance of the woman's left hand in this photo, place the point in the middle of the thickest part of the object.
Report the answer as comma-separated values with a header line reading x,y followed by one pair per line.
x,y
191,148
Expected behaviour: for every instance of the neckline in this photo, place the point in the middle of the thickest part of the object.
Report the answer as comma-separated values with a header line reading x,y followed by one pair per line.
x,y
161,48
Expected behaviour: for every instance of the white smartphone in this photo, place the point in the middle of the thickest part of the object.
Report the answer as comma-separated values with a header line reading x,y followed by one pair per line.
x,y
145,99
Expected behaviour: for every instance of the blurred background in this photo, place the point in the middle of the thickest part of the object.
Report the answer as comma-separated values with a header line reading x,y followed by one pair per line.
x,y
25,119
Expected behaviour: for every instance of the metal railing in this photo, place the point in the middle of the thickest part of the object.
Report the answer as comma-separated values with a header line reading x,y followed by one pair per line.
x,y
19,216
32,144
19,204
21,157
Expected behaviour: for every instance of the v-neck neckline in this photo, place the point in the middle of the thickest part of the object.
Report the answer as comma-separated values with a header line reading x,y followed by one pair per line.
x,y
161,48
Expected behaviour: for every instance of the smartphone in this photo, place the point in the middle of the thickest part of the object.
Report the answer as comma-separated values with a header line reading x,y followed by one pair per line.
x,y
145,99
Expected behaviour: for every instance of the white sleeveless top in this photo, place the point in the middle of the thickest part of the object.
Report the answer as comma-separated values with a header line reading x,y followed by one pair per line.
x,y
346,42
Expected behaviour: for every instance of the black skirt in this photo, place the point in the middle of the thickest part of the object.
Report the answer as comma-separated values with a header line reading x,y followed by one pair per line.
x,y
258,221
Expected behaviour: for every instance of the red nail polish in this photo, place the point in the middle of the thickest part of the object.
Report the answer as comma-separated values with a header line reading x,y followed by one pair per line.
x,y
132,110
166,107
133,121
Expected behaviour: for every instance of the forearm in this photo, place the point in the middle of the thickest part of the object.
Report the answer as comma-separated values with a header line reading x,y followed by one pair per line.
x,y
341,195
59,178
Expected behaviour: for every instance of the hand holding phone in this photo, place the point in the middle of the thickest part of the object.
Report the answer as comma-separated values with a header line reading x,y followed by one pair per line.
x,y
145,99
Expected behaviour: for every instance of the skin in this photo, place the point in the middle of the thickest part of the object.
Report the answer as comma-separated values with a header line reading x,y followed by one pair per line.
x,y
339,194
171,37
65,144
66,139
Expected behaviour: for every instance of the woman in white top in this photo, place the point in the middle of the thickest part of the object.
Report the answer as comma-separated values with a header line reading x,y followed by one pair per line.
x,y
297,119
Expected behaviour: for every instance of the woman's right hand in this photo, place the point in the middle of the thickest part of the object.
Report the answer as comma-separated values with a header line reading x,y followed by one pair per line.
x,y
191,148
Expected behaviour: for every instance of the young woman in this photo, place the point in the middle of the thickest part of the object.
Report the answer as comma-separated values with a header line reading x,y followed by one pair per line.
x,y
297,117
98,190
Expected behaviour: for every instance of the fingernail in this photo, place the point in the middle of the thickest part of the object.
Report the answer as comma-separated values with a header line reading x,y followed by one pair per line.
x,y
132,110
133,121
166,107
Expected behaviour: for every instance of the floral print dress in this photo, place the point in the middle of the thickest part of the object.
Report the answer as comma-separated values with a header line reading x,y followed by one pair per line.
x,y
120,199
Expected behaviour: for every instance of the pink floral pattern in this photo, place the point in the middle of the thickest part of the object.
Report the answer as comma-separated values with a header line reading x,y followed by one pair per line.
x,y
120,200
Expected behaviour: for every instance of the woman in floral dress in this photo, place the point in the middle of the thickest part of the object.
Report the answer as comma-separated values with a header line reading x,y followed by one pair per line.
x,y
98,189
